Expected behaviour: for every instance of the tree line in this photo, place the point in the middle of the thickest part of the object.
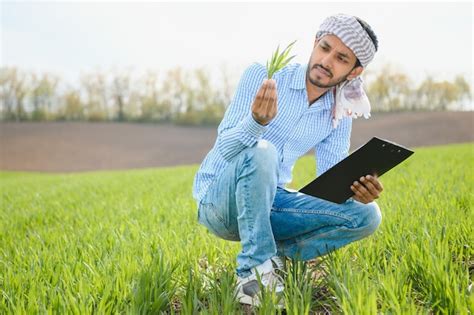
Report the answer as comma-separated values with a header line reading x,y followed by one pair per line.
x,y
187,97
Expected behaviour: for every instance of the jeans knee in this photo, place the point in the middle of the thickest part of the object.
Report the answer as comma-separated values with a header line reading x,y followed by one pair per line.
x,y
265,155
373,217
369,218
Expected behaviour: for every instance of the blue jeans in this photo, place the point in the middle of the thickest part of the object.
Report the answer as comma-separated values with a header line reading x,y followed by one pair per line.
x,y
244,204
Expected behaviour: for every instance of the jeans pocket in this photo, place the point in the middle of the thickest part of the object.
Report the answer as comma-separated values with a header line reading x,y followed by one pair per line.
x,y
211,217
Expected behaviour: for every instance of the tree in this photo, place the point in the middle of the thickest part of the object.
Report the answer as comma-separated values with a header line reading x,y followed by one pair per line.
x,y
390,90
13,90
121,94
154,106
94,88
43,95
72,108
437,95
464,92
174,92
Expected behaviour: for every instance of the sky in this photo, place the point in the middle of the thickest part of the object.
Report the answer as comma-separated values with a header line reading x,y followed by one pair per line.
x,y
69,38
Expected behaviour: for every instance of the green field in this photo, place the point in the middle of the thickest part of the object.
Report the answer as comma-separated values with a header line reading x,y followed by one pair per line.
x,y
128,242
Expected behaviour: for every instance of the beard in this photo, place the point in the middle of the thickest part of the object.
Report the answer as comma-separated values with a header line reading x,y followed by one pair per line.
x,y
331,82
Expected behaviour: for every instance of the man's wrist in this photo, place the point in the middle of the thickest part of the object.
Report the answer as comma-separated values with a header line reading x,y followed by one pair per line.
x,y
253,127
259,122
250,131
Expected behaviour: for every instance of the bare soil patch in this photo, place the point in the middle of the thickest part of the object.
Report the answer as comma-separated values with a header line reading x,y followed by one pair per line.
x,y
83,146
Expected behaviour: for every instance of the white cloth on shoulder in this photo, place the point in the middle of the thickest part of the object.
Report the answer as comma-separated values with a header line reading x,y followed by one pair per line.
x,y
351,100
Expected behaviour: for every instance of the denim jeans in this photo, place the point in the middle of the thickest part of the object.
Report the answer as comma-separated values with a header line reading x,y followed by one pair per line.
x,y
244,204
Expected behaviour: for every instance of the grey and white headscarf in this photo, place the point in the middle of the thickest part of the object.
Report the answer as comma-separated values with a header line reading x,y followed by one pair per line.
x,y
350,97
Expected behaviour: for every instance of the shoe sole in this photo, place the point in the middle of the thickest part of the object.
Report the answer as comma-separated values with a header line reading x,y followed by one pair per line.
x,y
245,299
255,301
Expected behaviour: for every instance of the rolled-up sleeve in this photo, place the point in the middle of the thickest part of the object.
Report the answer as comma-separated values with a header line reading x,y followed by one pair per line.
x,y
238,129
334,147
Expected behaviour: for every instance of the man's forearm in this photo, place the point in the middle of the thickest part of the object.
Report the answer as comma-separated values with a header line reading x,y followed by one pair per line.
x,y
232,141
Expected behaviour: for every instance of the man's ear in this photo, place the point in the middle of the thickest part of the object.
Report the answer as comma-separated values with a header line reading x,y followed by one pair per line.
x,y
355,72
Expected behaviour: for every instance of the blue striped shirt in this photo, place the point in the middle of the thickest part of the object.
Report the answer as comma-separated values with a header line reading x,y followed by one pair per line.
x,y
296,129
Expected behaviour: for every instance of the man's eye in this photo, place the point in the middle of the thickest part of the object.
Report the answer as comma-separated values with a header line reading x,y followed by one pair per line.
x,y
342,59
324,48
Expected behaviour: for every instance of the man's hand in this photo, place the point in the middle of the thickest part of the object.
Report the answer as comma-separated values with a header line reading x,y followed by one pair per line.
x,y
264,107
368,189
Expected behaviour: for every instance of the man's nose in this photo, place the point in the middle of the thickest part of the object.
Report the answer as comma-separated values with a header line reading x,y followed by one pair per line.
x,y
327,61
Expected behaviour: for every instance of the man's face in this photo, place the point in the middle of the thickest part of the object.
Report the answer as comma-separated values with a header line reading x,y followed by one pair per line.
x,y
331,62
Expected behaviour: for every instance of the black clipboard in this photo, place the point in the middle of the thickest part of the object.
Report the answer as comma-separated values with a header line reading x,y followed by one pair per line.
x,y
376,157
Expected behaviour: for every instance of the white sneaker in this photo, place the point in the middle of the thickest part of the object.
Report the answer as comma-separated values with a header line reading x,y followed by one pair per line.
x,y
248,288
279,264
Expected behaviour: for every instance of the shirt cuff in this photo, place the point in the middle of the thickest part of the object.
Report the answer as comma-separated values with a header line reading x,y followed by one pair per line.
x,y
251,130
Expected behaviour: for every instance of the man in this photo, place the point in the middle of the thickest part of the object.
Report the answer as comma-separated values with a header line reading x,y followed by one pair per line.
x,y
240,185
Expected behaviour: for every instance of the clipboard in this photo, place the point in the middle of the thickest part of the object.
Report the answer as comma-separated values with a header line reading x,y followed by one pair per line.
x,y
376,157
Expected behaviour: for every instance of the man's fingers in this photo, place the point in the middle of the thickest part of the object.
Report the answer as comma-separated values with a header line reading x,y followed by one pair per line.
x,y
264,106
269,102
370,186
375,181
259,98
360,198
270,97
367,188
261,93
263,100
358,194
362,190
272,109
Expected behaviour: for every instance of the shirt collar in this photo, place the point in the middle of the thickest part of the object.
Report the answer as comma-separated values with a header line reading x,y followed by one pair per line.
x,y
299,78
299,83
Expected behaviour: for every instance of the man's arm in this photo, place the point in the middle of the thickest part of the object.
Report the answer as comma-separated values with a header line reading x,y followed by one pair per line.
x,y
335,147
238,129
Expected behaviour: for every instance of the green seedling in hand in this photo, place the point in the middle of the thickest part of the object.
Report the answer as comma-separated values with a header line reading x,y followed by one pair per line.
x,y
278,61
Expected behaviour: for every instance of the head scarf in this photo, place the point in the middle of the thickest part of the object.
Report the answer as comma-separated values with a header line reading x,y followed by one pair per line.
x,y
350,98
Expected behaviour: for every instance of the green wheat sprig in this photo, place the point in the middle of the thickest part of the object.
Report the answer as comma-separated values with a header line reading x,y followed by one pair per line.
x,y
278,61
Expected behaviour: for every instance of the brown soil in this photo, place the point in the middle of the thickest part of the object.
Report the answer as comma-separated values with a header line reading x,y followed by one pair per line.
x,y
82,146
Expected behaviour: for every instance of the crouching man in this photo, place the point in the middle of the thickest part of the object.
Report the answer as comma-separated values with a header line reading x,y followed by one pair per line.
x,y
240,186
